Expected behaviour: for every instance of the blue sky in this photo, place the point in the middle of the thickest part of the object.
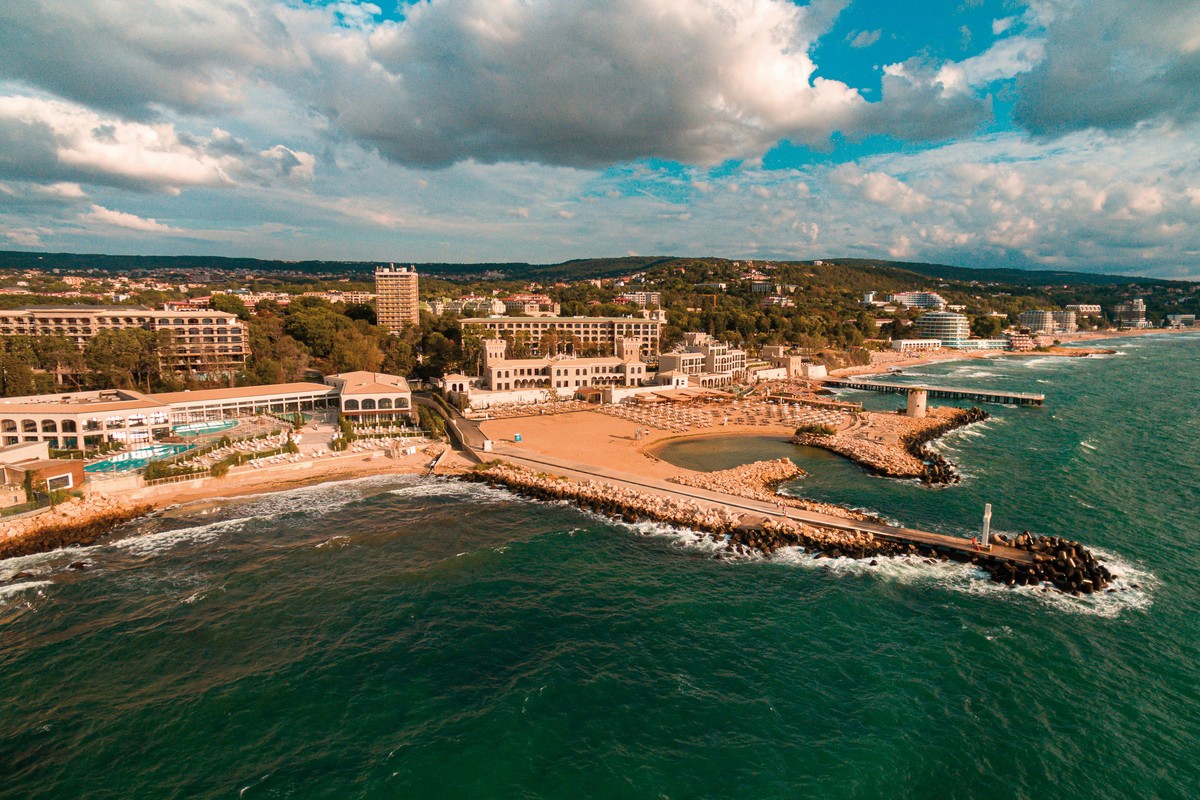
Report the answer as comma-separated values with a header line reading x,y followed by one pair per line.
x,y
1043,134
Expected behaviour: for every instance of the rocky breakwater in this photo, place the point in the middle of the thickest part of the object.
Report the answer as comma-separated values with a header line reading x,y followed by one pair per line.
x,y
759,481
1066,565
896,446
77,522
936,469
734,534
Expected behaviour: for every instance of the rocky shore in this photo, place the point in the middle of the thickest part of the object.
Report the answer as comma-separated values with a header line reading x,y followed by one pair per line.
x,y
1065,565
759,481
78,522
909,457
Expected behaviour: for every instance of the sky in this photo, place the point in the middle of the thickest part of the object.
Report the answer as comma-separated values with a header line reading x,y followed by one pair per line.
x,y
1040,134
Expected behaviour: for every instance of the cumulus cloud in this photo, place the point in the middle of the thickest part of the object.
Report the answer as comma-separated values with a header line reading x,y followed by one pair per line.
x,y
567,83
64,144
926,100
1110,65
125,55
120,219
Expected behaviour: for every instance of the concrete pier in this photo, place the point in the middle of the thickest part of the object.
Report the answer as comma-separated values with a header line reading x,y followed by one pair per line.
x,y
947,392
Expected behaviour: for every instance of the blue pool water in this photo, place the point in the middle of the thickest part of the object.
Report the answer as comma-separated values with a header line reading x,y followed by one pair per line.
x,y
197,428
136,459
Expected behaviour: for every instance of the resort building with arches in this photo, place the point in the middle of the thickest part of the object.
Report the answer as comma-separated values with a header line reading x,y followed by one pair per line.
x,y
88,419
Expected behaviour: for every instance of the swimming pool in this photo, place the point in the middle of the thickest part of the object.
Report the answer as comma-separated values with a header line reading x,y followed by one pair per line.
x,y
198,428
136,459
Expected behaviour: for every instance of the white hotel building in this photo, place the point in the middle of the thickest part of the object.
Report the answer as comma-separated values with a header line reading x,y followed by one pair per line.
x,y
951,329
86,419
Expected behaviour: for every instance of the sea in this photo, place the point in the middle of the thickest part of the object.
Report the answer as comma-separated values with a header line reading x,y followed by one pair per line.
x,y
409,637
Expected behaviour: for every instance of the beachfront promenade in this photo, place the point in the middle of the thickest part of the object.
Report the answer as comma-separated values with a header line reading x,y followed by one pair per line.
x,y
948,392
467,432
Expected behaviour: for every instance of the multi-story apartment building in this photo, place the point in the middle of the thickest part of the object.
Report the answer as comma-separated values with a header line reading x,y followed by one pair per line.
x,y
1048,321
946,326
530,305
1131,314
918,299
642,299
204,342
396,300
712,362
471,305
344,297
605,331
1085,309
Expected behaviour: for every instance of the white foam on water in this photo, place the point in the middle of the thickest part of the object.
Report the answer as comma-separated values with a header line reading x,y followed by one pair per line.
x,y
442,487
151,543
17,589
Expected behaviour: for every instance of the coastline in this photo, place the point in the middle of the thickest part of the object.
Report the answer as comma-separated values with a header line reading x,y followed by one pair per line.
x,y
1066,350
86,520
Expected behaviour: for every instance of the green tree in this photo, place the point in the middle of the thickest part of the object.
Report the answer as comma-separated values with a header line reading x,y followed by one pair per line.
x,y
230,304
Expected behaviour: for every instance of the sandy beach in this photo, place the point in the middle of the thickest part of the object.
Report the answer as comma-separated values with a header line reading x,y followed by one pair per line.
x,y
608,442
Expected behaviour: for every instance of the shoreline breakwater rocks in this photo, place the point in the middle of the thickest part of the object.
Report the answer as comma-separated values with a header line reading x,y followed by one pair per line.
x,y
75,523
910,456
1066,565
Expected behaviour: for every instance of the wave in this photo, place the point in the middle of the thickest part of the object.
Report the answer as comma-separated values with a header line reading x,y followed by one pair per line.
x,y
1131,590
16,589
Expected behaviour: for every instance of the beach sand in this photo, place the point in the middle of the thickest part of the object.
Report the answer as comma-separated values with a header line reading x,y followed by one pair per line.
x,y
601,440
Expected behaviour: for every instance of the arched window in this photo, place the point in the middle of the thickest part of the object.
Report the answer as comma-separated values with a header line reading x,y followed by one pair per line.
x,y
368,405
350,405
385,402
49,426
68,426
29,426
8,425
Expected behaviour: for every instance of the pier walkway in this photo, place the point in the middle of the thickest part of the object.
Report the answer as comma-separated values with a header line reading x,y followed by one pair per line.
x,y
949,392
717,500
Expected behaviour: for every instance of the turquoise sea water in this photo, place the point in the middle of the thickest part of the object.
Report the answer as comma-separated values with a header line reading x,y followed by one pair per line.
x,y
402,637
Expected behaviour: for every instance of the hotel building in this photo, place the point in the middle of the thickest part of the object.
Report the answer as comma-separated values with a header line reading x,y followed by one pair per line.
x,y
918,299
709,361
605,331
204,342
1131,314
565,374
951,329
85,419
396,300
1048,321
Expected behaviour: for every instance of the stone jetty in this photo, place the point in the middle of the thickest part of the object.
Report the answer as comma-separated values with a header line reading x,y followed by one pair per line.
x,y
909,456
77,522
1065,565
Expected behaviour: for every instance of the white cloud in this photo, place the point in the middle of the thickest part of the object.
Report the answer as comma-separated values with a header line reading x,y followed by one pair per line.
x,y
1002,25
100,215
1111,66
25,237
67,144
105,216
859,39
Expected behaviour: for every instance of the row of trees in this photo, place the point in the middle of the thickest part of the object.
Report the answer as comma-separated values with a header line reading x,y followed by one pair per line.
x,y
112,359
